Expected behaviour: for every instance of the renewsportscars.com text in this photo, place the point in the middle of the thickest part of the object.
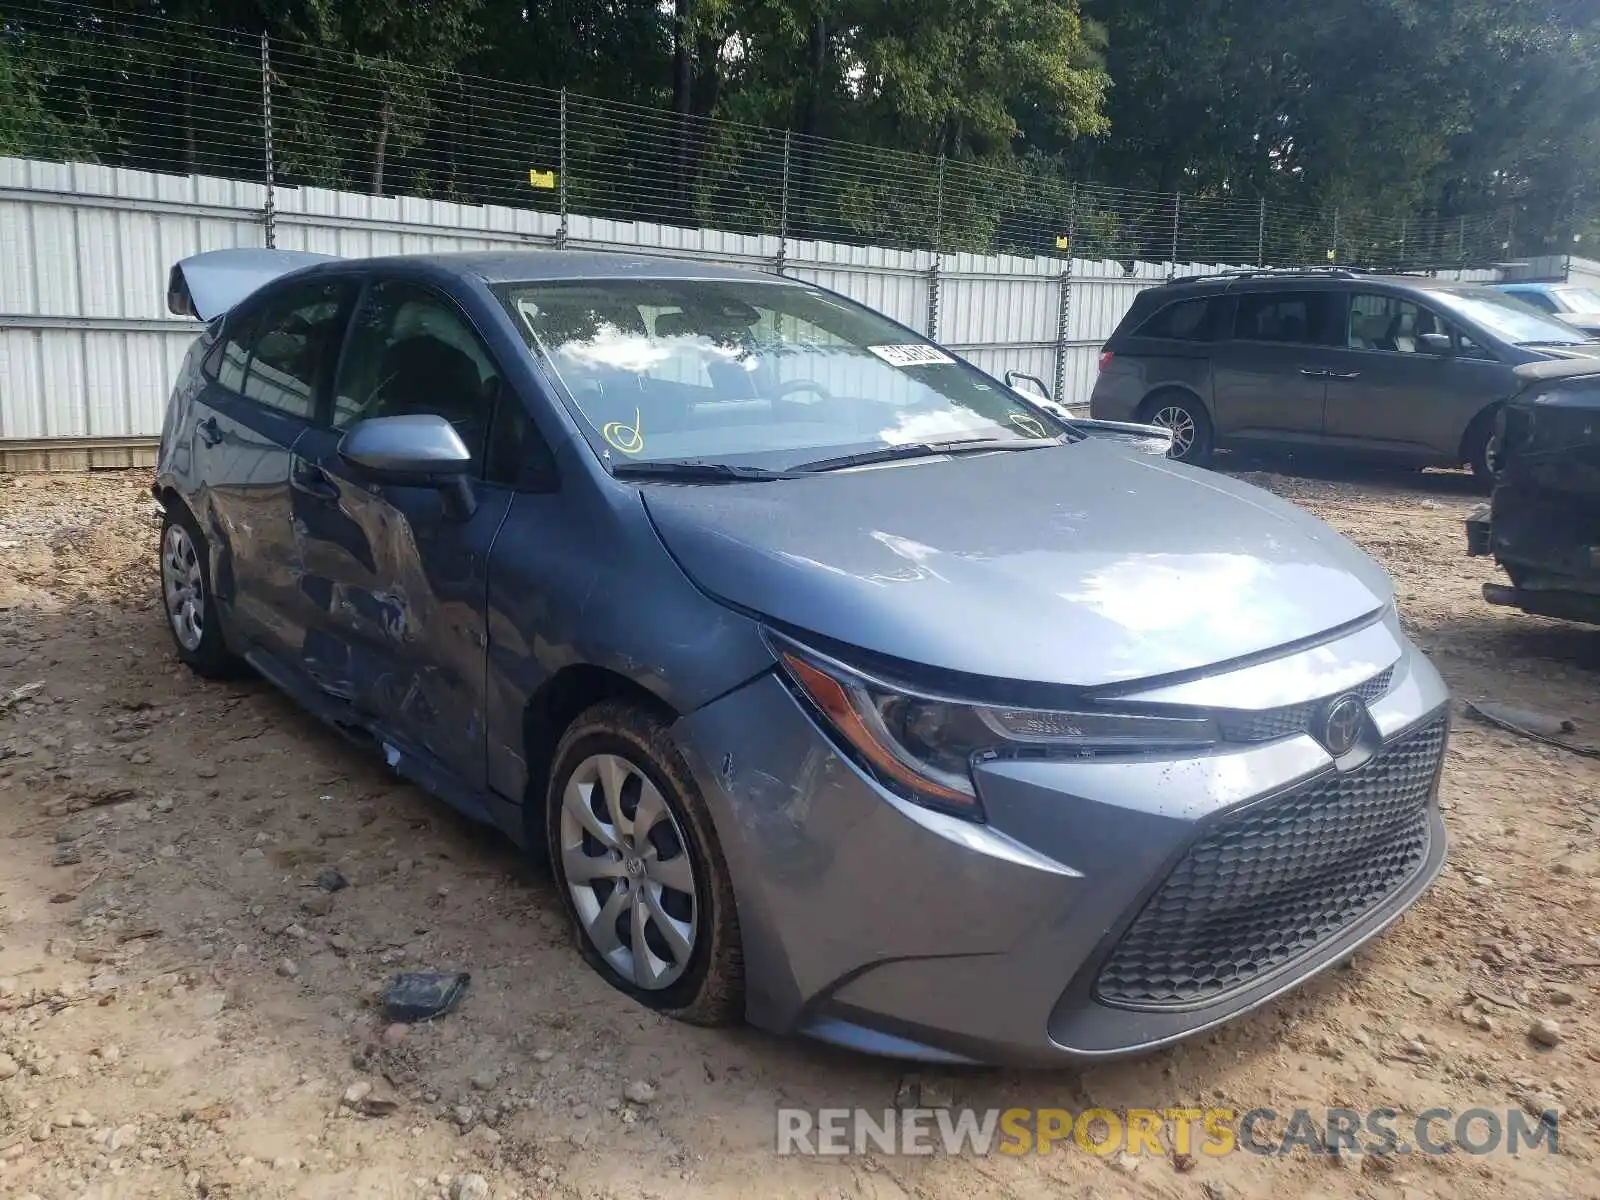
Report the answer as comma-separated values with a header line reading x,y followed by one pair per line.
x,y
1211,1132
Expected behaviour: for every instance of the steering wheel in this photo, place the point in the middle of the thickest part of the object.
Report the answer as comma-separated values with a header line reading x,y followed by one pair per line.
x,y
790,386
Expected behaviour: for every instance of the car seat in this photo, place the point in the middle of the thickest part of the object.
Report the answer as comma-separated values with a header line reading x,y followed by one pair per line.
x,y
423,374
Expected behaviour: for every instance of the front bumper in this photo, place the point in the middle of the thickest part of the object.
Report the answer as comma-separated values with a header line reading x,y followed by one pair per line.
x,y
875,924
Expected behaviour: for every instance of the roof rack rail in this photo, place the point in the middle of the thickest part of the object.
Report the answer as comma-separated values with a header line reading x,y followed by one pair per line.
x,y
1293,272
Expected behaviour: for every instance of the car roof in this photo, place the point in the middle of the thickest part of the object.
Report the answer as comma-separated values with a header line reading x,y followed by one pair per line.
x,y
525,266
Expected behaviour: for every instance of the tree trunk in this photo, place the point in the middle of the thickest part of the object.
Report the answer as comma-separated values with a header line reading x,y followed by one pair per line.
x,y
707,76
385,120
682,90
803,164
682,86
817,56
682,56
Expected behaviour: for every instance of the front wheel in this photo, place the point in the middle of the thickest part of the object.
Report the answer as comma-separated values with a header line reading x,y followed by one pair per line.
x,y
639,867
1482,450
1186,419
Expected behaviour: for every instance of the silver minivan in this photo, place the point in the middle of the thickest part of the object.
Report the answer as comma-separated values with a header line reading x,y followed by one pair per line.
x,y
1408,368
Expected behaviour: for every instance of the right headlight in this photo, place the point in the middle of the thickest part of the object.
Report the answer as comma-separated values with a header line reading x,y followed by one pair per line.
x,y
924,747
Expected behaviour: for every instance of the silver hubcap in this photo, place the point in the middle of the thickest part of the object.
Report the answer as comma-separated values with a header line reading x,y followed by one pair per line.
x,y
627,867
1180,424
184,587
1491,454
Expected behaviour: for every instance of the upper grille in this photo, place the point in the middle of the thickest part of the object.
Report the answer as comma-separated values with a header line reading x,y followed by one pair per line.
x,y
1276,880
1273,723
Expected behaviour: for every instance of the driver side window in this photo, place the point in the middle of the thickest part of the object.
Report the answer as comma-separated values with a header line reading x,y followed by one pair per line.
x,y
1390,323
412,352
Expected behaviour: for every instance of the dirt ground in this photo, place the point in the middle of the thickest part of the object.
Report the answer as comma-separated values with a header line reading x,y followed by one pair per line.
x,y
183,1012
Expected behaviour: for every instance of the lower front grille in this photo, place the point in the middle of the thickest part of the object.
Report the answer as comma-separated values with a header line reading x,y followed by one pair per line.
x,y
1273,882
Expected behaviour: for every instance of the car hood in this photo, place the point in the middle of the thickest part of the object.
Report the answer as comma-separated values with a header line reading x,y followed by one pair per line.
x,y
1084,565
1583,350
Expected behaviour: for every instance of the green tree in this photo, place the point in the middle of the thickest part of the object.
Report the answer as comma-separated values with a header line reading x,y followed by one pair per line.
x,y
377,66
30,127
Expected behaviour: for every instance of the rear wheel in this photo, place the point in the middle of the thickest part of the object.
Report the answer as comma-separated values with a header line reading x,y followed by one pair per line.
x,y
188,601
639,868
1186,419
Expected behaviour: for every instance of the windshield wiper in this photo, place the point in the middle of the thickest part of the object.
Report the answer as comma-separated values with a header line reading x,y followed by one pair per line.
x,y
906,450
1551,345
691,470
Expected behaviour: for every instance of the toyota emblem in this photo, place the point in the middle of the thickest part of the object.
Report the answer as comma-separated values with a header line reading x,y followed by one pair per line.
x,y
1341,728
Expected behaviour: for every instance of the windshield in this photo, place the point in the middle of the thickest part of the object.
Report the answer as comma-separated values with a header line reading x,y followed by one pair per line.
x,y
758,374
1579,300
1507,317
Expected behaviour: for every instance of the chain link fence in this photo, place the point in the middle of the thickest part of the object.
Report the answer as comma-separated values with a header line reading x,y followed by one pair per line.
x,y
161,95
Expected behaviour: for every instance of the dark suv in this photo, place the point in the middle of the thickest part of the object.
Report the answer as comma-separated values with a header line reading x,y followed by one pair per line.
x,y
1405,367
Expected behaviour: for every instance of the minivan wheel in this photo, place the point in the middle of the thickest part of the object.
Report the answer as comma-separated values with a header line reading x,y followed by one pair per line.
x,y
188,601
1482,447
639,868
1186,419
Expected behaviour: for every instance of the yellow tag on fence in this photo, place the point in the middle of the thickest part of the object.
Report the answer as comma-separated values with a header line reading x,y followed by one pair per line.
x,y
542,179
1063,243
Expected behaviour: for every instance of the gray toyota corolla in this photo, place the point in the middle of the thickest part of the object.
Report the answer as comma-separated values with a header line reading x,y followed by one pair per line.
x,y
848,691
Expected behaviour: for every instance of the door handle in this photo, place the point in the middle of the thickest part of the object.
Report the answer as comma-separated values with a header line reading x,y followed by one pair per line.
x,y
313,481
1312,373
1343,374
210,432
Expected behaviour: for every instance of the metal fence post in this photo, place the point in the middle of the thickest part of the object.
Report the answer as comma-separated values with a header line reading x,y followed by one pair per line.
x,y
1334,256
561,174
933,268
1064,302
1402,241
268,212
1261,234
1177,211
1461,239
783,210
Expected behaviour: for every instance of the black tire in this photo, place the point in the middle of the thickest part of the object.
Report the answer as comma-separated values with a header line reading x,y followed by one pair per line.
x,y
208,655
1478,448
710,988
1181,412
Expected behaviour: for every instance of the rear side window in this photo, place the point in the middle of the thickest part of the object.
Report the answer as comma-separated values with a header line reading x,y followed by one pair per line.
x,y
295,343
280,351
1302,318
1185,321
230,356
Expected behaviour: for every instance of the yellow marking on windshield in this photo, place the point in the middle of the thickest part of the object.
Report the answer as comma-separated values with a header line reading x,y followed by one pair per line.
x,y
628,438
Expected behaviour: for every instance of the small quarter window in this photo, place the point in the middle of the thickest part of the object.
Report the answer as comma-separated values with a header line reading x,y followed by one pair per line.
x,y
1185,321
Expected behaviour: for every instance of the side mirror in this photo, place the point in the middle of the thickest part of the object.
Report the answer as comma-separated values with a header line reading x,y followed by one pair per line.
x,y
1435,343
1152,439
1040,392
418,450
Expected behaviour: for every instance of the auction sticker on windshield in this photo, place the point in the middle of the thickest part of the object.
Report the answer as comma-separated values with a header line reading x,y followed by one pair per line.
x,y
911,356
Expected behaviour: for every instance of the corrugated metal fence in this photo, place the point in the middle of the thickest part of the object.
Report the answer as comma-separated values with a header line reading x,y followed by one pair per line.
x,y
88,350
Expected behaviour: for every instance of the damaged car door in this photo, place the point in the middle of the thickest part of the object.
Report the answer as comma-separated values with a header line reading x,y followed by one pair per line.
x,y
262,378
396,573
